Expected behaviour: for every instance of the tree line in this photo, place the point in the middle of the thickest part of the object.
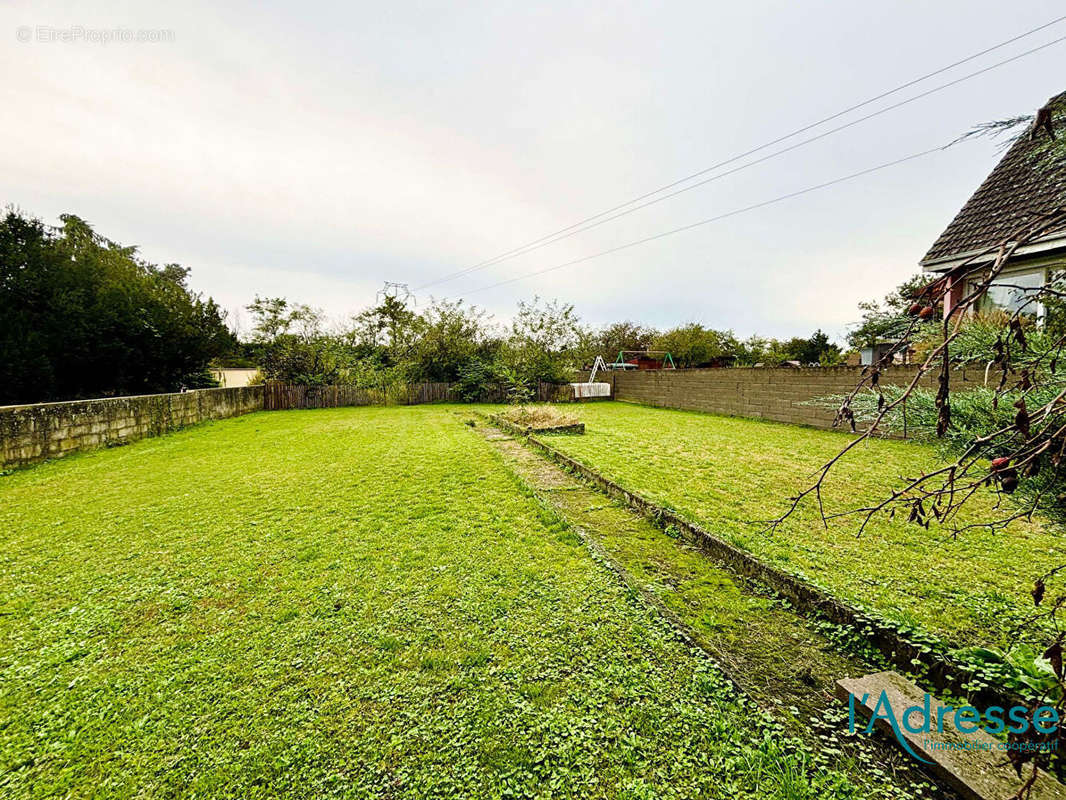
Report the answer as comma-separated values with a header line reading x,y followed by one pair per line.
x,y
452,341
82,316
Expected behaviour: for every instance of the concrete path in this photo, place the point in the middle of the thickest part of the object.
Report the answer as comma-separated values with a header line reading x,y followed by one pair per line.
x,y
782,660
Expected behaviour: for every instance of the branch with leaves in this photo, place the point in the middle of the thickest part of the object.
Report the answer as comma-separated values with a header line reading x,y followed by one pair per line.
x,y
1010,437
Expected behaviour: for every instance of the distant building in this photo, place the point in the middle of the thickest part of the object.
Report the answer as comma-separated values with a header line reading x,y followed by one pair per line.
x,y
872,354
234,377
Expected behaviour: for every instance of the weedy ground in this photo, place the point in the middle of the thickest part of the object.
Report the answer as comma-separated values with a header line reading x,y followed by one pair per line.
x,y
730,475
344,603
539,417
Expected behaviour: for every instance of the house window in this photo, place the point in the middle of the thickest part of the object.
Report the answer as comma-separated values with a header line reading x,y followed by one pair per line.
x,y
1013,291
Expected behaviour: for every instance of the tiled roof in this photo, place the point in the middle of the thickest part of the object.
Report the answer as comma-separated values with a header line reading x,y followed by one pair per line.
x,y
1021,185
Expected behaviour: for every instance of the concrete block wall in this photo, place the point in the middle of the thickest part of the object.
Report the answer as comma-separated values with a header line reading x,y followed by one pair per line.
x,y
33,433
764,393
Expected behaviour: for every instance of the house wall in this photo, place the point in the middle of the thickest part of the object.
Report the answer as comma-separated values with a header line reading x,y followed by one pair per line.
x,y
762,393
233,377
957,287
33,433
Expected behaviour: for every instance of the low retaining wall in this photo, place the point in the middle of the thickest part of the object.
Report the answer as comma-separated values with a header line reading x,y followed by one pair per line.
x,y
763,393
940,670
33,433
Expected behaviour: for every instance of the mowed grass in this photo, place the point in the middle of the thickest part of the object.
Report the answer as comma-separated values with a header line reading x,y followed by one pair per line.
x,y
343,603
730,474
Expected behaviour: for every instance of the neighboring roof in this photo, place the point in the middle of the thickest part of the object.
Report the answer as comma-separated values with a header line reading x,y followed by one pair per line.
x,y
1020,186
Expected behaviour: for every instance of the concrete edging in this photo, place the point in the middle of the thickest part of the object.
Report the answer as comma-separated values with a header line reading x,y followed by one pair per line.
x,y
942,672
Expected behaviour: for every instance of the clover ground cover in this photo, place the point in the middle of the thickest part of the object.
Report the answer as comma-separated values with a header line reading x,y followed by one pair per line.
x,y
343,603
730,475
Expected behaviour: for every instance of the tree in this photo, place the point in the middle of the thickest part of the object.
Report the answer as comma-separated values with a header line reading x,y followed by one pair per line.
x,y
750,351
385,345
692,345
292,345
819,350
885,321
542,344
272,316
391,327
450,335
610,339
816,349
82,316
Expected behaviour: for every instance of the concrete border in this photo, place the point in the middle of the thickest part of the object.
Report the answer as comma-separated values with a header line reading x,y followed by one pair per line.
x,y
941,671
572,430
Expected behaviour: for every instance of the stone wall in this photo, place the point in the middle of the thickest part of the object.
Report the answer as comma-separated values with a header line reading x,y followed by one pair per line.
x,y
776,394
33,433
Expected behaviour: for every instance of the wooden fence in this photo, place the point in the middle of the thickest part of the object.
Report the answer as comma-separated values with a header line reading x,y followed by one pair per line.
x,y
283,396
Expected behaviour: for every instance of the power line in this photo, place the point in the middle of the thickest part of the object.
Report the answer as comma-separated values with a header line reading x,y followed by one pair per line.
x,y
568,231
395,291
733,213
596,220
774,154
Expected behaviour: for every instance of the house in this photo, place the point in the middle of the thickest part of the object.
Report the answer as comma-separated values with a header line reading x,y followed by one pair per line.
x,y
232,377
1029,180
872,354
875,353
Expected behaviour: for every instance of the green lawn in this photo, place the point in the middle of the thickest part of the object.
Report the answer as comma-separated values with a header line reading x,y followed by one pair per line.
x,y
350,603
724,473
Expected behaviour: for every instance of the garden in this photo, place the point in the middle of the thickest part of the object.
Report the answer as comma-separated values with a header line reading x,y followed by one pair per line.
x,y
353,603
734,475
380,602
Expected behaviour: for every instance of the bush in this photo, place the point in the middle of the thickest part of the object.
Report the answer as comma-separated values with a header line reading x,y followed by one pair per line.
x,y
477,380
539,417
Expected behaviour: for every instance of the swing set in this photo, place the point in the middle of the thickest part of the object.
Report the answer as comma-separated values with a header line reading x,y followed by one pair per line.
x,y
630,359
591,388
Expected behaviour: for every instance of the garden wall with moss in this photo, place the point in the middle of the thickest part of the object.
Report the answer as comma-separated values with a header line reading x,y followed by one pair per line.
x,y
778,394
33,433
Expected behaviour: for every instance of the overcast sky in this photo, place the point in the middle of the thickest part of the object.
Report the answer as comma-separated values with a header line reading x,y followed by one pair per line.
x,y
315,150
